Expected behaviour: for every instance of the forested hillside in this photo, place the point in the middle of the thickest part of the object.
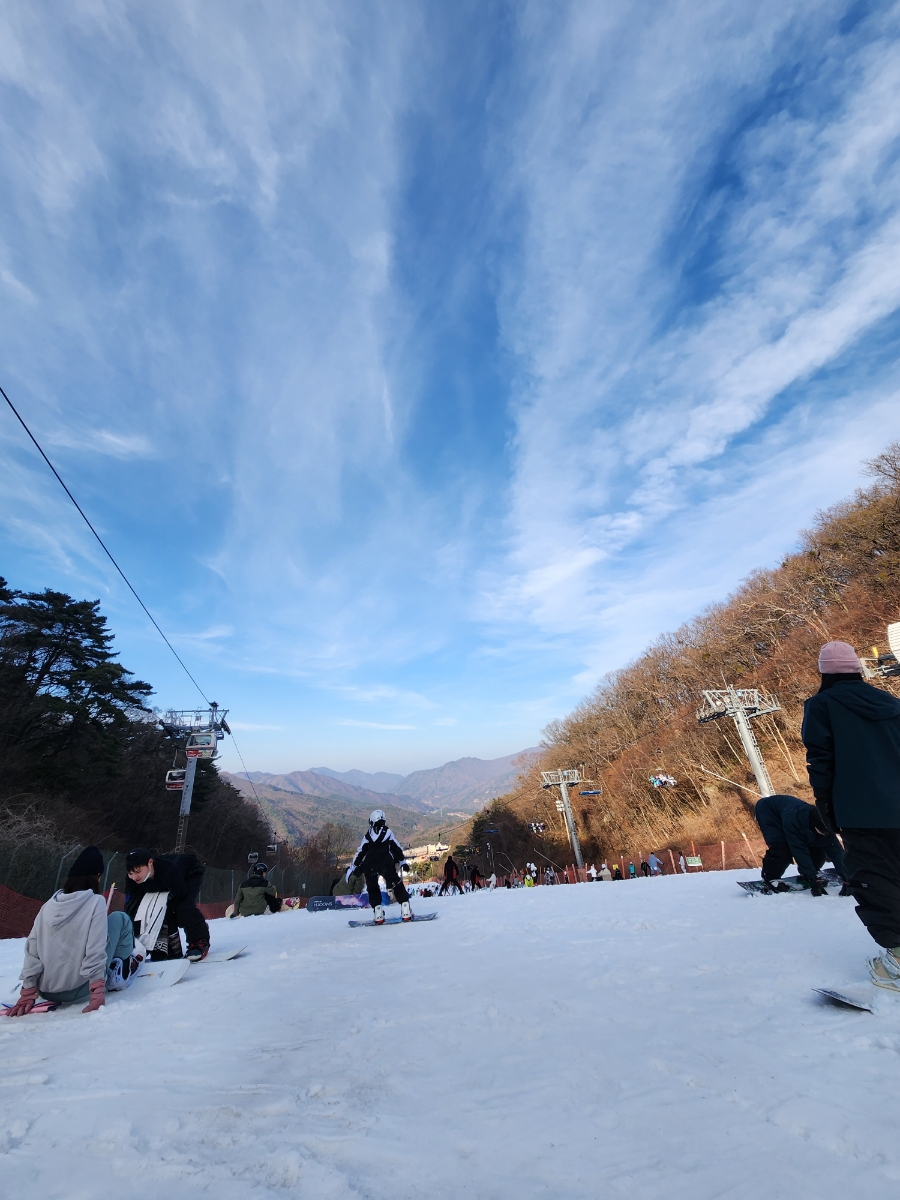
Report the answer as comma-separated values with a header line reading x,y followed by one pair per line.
x,y
81,758
842,583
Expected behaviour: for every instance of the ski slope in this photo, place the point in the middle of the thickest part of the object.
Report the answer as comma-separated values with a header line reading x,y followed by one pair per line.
x,y
656,1039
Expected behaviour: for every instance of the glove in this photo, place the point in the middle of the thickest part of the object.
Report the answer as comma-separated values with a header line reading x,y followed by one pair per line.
x,y
24,1004
818,888
351,871
98,996
825,809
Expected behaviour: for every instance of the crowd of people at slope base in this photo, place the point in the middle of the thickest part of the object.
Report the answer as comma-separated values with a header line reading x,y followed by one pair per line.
x,y
851,730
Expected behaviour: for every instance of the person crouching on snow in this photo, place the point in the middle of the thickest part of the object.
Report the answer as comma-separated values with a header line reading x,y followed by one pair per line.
x,y
794,830
380,853
179,875
75,951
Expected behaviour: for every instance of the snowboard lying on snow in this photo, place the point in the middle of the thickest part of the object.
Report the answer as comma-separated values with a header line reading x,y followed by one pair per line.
x,y
324,903
796,883
854,995
867,996
220,956
395,920
147,978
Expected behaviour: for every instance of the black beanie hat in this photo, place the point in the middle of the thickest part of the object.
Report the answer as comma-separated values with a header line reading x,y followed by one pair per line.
x,y
88,862
138,857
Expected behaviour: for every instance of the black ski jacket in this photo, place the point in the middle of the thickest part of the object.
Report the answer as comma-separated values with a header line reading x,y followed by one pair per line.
x,y
377,853
178,874
851,732
787,820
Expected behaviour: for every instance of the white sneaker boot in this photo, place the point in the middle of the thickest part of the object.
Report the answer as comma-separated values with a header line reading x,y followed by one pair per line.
x,y
116,979
379,914
405,911
884,971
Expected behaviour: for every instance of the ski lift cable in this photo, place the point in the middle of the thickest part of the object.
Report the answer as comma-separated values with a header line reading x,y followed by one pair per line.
x,y
103,545
246,772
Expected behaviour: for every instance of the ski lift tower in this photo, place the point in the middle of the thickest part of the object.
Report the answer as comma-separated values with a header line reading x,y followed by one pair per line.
x,y
741,704
561,779
201,730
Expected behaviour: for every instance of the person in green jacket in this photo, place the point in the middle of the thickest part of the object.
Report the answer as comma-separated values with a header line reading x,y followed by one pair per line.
x,y
256,894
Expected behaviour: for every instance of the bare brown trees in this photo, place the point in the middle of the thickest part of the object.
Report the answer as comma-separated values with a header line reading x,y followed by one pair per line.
x,y
842,583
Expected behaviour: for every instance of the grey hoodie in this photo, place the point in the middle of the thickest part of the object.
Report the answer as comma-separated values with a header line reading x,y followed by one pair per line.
x,y
67,944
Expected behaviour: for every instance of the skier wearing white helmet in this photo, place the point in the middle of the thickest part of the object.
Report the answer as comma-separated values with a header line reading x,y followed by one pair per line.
x,y
379,853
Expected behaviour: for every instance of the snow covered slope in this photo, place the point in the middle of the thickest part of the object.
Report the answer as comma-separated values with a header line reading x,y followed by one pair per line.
x,y
659,1039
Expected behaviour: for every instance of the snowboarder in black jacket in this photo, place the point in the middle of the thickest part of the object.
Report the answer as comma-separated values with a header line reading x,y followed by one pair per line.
x,y
380,853
794,830
851,731
181,876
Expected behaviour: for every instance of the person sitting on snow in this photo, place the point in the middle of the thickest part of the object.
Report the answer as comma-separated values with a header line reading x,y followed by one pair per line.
x,y
179,875
794,830
256,895
75,951
380,853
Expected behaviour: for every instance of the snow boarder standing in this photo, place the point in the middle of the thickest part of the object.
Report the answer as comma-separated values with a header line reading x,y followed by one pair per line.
x,y
451,877
256,895
75,951
180,875
851,731
380,853
794,830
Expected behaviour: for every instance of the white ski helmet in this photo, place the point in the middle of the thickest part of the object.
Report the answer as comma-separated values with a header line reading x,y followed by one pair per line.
x,y
377,820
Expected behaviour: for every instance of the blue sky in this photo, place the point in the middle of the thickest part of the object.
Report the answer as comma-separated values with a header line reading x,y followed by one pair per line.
x,y
421,363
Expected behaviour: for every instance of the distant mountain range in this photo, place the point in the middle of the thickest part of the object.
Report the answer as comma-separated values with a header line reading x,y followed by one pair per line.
x,y
374,781
414,804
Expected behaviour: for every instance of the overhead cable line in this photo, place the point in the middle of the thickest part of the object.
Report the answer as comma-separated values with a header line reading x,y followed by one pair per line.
x,y
103,545
244,765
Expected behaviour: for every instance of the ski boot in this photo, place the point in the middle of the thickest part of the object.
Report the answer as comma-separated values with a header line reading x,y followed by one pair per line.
x,y
379,914
884,971
405,911
197,951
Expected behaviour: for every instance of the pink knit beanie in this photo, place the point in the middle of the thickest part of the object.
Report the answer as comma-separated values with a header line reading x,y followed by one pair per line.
x,y
837,658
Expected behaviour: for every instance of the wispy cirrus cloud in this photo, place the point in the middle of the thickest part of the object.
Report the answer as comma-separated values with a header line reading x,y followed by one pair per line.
x,y
435,358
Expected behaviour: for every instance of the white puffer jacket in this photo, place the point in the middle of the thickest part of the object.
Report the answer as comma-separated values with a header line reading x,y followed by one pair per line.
x,y
67,944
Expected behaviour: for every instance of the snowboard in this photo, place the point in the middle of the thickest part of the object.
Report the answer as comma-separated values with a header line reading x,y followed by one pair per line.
x,y
796,883
854,995
395,920
220,956
325,903
152,975
42,1006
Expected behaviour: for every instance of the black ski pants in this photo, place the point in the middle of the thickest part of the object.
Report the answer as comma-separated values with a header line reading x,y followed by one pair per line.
x,y
779,857
391,878
872,869
188,917
448,884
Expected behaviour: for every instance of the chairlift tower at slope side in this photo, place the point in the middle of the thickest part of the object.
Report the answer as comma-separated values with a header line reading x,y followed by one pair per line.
x,y
741,704
201,730
562,779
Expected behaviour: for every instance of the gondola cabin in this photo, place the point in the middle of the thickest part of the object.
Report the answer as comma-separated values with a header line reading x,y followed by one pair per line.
x,y
201,745
175,780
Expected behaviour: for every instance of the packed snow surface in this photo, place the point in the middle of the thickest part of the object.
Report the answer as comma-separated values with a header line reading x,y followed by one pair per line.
x,y
655,1039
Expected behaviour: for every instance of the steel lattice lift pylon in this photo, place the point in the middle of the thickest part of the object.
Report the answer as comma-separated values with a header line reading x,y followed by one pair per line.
x,y
562,779
201,729
741,704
